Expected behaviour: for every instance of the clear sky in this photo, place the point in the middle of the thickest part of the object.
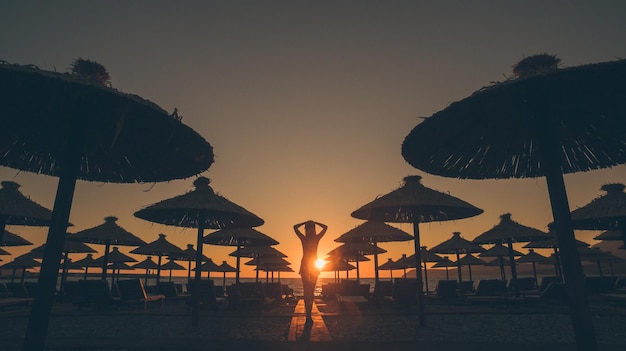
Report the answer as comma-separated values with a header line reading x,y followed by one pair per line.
x,y
306,103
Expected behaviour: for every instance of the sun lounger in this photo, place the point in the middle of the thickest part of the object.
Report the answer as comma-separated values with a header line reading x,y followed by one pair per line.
x,y
349,293
206,294
330,290
4,291
405,291
383,291
6,302
97,293
523,284
272,291
599,285
170,291
447,289
18,289
132,292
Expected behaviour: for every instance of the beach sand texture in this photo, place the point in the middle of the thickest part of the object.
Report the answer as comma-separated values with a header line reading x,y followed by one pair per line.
x,y
365,327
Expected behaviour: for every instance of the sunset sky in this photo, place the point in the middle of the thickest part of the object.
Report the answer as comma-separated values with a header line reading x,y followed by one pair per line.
x,y
306,103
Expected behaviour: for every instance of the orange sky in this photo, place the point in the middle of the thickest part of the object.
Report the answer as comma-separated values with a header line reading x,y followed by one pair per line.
x,y
307,104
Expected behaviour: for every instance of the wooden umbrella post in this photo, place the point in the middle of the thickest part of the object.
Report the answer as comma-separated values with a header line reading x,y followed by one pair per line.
x,y
418,274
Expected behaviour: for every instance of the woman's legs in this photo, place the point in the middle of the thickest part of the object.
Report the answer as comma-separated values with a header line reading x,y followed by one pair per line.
x,y
308,285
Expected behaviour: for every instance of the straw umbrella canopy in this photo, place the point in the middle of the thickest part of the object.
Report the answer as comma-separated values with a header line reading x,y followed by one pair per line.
x,y
10,239
239,237
69,246
17,209
546,122
4,252
171,265
508,232
337,264
606,212
446,263
22,262
260,252
268,264
552,242
609,235
107,234
426,256
278,268
115,257
457,245
189,256
374,233
209,266
86,262
225,268
203,209
146,264
352,250
74,126
499,251
594,254
470,260
414,203
405,262
389,265
159,248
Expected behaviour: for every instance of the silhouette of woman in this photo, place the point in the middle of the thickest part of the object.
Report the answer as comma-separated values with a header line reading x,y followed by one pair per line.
x,y
308,271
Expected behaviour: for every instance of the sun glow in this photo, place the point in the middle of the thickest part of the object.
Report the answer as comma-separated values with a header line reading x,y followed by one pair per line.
x,y
320,263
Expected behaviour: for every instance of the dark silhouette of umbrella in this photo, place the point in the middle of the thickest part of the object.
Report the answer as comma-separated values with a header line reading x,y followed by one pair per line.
x,y
499,251
209,266
203,209
551,242
508,232
470,260
337,264
107,234
446,263
171,265
609,235
17,209
534,258
4,252
115,257
10,239
405,262
239,237
594,254
278,268
74,128
22,262
69,246
260,252
189,256
457,245
426,256
159,248
225,268
147,264
86,262
270,264
607,212
546,122
415,203
352,250
390,266
374,233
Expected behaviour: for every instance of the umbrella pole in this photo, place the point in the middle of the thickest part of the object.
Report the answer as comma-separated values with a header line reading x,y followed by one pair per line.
x,y
572,267
170,275
447,274
513,268
64,271
502,272
13,275
224,281
158,277
145,279
189,271
376,261
23,275
426,277
195,294
600,268
238,265
418,274
85,276
105,260
35,337
535,273
358,275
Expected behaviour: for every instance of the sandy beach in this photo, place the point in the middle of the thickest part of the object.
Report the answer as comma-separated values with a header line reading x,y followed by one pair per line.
x,y
520,326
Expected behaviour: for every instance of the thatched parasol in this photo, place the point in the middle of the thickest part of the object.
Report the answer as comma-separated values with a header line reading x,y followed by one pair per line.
x,y
209,266
353,250
17,209
259,252
499,251
551,242
225,268
270,264
374,233
86,262
76,127
390,266
107,234
414,203
69,246
426,256
609,235
189,256
159,248
171,265
146,264
607,212
22,262
239,237
508,232
457,245
338,264
115,257
10,239
547,122
200,208
446,263
470,260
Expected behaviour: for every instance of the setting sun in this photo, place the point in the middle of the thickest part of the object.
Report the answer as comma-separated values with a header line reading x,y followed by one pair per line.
x,y
320,263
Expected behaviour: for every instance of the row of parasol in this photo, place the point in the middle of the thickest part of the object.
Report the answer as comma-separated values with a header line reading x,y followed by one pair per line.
x,y
545,121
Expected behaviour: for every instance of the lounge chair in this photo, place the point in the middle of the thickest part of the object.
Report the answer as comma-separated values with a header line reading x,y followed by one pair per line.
x,y
97,293
273,291
170,291
18,289
4,291
447,289
600,285
349,296
405,291
132,292
523,284
330,290
206,294
383,291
